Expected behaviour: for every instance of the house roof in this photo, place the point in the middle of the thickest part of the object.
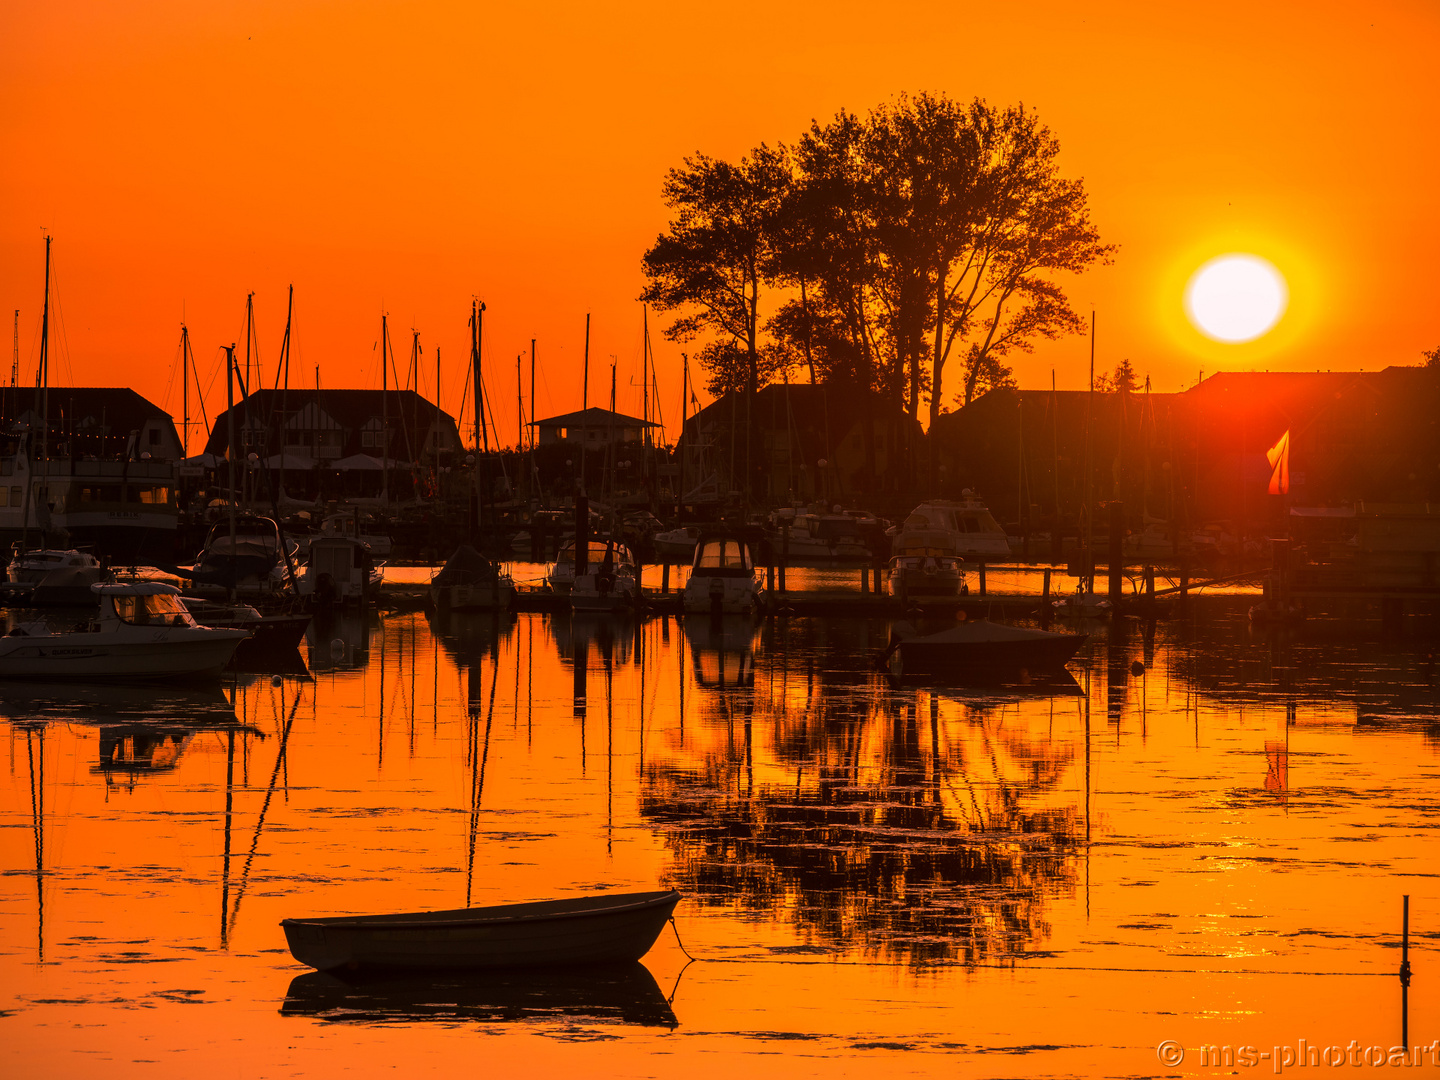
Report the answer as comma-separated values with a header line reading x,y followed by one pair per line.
x,y
349,408
120,409
592,417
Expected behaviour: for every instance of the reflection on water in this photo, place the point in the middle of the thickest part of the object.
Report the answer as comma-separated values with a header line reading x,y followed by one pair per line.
x,y
619,993
1197,799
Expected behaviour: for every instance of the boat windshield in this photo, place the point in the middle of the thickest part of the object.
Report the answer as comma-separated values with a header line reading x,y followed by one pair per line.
x,y
723,555
162,609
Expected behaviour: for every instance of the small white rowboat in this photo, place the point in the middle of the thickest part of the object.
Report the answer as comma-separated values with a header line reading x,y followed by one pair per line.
x,y
587,930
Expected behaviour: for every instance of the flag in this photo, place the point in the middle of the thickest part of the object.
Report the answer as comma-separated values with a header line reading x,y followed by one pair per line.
x,y
1279,458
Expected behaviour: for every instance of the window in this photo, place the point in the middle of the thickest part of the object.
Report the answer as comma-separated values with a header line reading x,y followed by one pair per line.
x,y
161,609
4,496
151,496
154,436
15,499
367,438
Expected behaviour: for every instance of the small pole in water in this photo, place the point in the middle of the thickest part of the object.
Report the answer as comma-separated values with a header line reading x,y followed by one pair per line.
x,y
1405,973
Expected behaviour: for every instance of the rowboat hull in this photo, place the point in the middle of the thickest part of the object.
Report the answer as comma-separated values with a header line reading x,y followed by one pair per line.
x,y
590,930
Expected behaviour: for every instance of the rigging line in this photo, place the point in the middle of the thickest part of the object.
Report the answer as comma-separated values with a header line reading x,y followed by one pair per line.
x,y
264,807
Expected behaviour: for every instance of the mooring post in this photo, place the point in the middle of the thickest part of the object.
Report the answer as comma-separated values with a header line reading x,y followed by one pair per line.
x,y
1117,552
1149,586
982,579
770,577
784,553
865,581
1405,972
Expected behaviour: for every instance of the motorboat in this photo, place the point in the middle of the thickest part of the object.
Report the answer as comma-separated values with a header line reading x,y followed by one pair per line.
x,y
969,521
722,576
349,526
1083,605
676,543
254,562
609,583
270,635
142,631
978,648
607,929
30,567
340,570
925,565
470,582
803,535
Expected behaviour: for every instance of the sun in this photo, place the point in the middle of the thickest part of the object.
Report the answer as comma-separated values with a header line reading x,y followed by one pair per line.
x,y
1236,298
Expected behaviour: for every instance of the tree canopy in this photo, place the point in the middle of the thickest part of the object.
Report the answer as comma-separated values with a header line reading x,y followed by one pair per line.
x,y
884,246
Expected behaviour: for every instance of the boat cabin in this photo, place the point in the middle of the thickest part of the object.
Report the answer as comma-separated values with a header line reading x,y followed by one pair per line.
x,y
143,603
722,556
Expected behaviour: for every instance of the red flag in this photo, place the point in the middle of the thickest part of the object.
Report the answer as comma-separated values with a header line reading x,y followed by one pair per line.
x,y
1279,458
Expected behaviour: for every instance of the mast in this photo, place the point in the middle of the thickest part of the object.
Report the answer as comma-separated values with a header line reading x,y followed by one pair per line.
x,y
42,372
230,456
533,430
520,422
384,409
435,443
282,376
680,442
184,391
645,399
585,404
1088,510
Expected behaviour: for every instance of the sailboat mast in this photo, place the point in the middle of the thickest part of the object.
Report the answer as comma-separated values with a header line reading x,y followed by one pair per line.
x,y
384,409
1088,510
645,379
42,371
680,442
184,391
585,403
231,451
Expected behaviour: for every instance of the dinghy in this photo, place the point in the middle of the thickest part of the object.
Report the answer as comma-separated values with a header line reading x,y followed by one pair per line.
x,y
587,930
978,648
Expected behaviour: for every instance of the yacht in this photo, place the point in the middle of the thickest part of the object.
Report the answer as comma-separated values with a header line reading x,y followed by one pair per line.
x,y
973,527
142,631
609,583
339,570
30,567
256,562
722,577
816,534
925,565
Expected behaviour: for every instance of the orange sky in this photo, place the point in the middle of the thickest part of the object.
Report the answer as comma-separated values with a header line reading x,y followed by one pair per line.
x,y
403,157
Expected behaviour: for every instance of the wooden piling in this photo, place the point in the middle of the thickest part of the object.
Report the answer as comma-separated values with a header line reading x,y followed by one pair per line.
x,y
1117,552
664,577
982,579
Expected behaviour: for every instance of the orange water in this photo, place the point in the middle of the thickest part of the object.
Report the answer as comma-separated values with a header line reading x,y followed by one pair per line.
x,y
879,880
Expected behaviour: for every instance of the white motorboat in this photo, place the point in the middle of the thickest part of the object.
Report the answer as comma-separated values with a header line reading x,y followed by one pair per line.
x,y
142,631
677,543
1083,605
973,527
609,583
340,569
924,564
722,577
30,567
347,525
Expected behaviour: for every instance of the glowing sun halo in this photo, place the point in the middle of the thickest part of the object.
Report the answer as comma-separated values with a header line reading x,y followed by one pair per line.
x,y
1236,298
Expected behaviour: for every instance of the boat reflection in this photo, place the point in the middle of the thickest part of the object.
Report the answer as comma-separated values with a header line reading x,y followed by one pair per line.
x,y
339,641
722,649
143,730
614,994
